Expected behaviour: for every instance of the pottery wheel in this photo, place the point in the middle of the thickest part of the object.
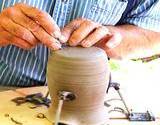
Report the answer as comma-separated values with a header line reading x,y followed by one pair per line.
x,y
84,72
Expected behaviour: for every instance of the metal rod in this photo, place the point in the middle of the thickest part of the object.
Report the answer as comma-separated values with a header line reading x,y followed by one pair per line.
x,y
58,112
125,105
46,96
63,96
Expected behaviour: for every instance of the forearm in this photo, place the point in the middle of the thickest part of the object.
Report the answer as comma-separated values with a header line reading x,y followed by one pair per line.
x,y
136,43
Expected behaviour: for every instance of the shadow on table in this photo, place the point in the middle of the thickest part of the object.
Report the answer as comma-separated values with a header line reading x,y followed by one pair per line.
x,y
5,88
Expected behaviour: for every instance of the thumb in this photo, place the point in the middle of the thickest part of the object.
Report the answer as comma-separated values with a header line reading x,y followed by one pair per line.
x,y
114,41
70,28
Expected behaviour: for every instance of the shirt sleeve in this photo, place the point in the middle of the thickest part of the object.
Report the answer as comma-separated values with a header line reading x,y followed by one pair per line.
x,y
146,15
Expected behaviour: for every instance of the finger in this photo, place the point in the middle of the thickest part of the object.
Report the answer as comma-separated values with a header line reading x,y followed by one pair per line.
x,y
36,30
3,41
18,30
47,40
8,38
83,31
102,42
21,43
114,41
96,36
69,28
19,18
42,18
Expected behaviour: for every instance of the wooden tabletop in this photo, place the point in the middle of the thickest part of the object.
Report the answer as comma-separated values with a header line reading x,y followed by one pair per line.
x,y
24,115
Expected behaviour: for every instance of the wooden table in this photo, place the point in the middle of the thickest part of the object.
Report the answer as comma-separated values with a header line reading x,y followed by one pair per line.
x,y
27,116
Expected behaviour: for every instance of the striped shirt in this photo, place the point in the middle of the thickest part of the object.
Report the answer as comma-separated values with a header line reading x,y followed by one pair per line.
x,y
20,67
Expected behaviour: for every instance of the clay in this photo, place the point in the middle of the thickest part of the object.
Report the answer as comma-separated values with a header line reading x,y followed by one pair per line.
x,y
83,71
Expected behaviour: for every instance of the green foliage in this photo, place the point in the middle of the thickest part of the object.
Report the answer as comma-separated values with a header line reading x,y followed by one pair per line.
x,y
114,65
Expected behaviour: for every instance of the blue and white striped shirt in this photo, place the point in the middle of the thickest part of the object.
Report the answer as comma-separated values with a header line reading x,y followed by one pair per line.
x,y
19,67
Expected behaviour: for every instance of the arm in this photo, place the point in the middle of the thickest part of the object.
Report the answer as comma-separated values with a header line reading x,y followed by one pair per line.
x,y
137,37
136,42
140,32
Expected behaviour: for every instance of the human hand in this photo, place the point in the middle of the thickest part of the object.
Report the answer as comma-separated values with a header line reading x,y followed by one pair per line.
x,y
87,33
25,26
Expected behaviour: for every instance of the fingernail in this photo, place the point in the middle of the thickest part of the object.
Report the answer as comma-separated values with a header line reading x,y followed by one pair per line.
x,y
62,39
114,41
110,44
55,46
59,46
56,34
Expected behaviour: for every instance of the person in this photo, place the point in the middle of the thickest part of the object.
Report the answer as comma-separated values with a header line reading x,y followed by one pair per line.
x,y
29,29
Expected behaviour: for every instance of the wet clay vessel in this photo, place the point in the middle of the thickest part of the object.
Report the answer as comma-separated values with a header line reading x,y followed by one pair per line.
x,y
84,72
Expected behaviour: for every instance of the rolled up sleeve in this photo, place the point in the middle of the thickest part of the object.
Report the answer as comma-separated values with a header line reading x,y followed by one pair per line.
x,y
146,15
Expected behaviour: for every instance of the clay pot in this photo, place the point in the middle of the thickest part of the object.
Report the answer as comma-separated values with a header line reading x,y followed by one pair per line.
x,y
84,72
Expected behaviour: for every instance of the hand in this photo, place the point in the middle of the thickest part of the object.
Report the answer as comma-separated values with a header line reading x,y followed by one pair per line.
x,y
26,26
110,42
87,33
